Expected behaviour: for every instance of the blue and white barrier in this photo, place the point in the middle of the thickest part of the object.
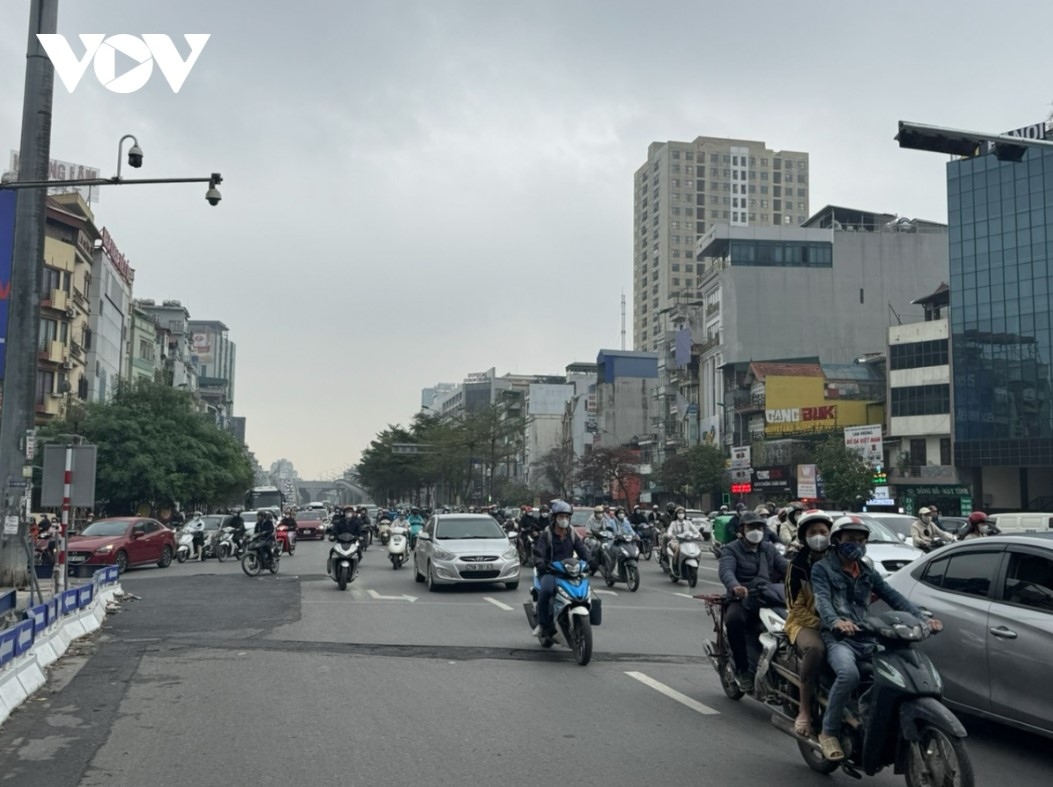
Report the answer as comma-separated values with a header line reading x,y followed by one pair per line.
x,y
45,634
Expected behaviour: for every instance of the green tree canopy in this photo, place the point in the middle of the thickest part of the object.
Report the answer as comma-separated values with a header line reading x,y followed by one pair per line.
x,y
847,480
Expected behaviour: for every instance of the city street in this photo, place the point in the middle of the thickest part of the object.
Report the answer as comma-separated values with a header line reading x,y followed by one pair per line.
x,y
212,678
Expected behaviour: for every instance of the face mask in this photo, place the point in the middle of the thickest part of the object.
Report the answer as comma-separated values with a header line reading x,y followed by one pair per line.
x,y
562,522
621,517
850,550
926,518
818,543
544,516
983,530
680,516
754,536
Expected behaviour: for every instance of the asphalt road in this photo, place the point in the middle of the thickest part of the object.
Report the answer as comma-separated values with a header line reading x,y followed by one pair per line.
x,y
213,678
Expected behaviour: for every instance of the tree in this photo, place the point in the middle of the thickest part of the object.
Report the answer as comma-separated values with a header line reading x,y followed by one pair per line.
x,y
708,472
560,469
848,480
606,466
675,474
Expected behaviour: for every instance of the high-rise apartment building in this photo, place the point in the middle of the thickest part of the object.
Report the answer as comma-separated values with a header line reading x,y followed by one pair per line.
x,y
683,190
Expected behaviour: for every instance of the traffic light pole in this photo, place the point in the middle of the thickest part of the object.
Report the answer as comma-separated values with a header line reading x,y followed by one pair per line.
x,y
19,386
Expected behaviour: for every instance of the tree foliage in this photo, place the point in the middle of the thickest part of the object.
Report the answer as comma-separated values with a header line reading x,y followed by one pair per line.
x,y
847,479
604,467
559,468
153,447
708,471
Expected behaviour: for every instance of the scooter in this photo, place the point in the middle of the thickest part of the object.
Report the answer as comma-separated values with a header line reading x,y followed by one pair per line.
x,y
687,564
184,546
286,539
384,531
574,610
398,547
621,562
343,560
226,546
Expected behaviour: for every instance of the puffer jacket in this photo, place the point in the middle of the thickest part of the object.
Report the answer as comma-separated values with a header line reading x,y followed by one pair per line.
x,y
800,601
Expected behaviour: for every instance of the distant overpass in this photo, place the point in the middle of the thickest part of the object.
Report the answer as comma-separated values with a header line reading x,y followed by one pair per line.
x,y
339,491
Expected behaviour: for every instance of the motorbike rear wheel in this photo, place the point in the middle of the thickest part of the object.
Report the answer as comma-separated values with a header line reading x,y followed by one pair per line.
x,y
632,578
938,760
222,553
250,564
692,575
274,564
341,577
395,562
727,681
582,633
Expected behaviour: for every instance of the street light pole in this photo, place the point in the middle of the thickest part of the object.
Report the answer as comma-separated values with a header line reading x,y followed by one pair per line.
x,y
19,392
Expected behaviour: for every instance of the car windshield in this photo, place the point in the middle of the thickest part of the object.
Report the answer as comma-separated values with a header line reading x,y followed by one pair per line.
x,y
106,527
308,516
897,525
213,521
879,533
453,529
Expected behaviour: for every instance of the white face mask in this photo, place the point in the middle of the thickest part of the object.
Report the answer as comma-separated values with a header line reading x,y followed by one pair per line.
x,y
621,517
754,536
680,516
562,522
818,542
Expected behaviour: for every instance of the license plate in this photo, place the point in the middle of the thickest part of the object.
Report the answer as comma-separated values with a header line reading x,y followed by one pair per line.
x,y
480,567
77,558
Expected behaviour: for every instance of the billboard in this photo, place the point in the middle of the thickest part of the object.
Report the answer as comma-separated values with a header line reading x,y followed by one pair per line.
x,y
7,242
201,347
807,488
67,170
866,441
740,456
548,399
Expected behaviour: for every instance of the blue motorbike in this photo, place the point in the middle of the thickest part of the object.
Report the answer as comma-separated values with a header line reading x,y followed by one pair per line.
x,y
574,610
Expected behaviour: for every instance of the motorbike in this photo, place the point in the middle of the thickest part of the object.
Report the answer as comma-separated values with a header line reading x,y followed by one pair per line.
x,y
414,529
648,538
343,560
226,545
574,609
621,561
687,563
384,532
184,546
259,555
398,547
286,539
594,543
525,547
895,718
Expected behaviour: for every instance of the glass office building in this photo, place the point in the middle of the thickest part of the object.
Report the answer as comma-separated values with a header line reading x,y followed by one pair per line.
x,y
1001,264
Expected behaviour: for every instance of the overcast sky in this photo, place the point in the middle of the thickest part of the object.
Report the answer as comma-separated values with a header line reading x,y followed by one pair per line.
x,y
419,190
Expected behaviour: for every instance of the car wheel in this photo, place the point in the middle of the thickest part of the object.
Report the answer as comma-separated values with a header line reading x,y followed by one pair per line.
x,y
429,580
512,585
122,561
416,571
166,557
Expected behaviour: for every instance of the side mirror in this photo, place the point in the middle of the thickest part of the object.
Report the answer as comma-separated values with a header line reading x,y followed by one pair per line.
x,y
137,534
424,536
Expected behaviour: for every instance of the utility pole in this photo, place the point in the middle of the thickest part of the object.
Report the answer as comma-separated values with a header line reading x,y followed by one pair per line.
x,y
19,400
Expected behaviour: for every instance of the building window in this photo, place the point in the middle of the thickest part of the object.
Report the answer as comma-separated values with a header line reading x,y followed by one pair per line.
x,y
916,355
917,452
676,267
921,400
45,385
688,268
946,458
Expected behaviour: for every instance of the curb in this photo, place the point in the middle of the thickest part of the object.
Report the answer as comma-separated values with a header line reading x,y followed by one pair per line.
x,y
45,634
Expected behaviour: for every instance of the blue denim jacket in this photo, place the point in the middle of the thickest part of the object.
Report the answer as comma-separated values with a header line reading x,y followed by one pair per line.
x,y
840,595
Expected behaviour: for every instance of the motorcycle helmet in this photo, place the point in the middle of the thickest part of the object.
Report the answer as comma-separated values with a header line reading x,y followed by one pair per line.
x,y
559,507
678,509
598,510
670,508
977,518
619,511
924,511
845,524
809,518
793,511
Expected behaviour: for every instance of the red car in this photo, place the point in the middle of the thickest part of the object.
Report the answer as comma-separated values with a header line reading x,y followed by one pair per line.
x,y
310,524
123,541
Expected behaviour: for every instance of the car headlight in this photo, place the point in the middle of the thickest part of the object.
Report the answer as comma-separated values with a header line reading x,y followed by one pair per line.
x,y
510,553
104,550
441,554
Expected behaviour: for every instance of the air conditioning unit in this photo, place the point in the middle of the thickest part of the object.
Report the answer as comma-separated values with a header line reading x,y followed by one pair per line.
x,y
67,365
71,312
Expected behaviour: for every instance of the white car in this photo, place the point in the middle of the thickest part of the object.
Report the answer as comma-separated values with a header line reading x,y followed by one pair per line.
x,y
465,548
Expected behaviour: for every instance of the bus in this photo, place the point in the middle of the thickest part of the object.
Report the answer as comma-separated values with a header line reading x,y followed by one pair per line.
x,y
264,497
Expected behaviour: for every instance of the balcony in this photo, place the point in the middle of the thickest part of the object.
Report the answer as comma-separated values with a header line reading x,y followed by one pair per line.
x,y
57,299
79,299
709,344
52,351
748,402
76,350
52,404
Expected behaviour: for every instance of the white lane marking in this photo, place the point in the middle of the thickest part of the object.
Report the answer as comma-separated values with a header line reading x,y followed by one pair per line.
x,y
379,597
606,592
673,694
498,604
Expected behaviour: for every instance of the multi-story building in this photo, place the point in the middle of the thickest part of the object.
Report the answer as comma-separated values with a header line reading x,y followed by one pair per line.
x,y
682,191
1001,277
172,317
826,290
625,383
919,457
146,346
546,404
214,355
62,374
110,298
429,395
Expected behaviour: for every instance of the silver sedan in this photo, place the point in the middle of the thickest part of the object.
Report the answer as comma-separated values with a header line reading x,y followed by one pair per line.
x,y
465,548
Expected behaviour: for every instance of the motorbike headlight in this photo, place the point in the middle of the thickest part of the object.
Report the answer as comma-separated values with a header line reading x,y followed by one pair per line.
x,y
442,554
510,553
104,550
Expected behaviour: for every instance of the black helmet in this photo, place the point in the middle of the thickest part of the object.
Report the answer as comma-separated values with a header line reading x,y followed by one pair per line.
x,y
793,511
670,507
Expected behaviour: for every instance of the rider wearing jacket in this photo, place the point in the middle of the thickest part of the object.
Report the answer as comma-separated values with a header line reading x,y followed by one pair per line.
x,y
557,543
843,584
747,563
924,531
681,526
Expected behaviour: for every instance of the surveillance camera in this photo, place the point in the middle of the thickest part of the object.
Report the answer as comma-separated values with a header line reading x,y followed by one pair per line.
x,y
213,196
135,156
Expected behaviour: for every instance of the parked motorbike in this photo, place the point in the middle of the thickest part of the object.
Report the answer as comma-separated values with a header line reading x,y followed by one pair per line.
x,y
384,531
621,561
286,539
574,610
686,566
260,554
398,546
184,546
895,718
343,560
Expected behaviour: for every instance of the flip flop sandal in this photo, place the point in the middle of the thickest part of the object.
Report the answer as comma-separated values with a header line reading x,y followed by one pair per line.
x,y
803,727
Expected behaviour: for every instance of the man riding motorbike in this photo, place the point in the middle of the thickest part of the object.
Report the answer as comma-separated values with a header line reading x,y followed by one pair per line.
x,y
802,622
556,543
637,518
415,523
749,563
843,584
597,525
924,531
681,526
